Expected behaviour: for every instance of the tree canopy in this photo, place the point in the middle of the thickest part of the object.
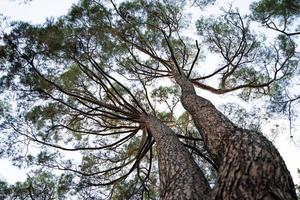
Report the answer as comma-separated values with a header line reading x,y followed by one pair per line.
x,y
43,185
86,83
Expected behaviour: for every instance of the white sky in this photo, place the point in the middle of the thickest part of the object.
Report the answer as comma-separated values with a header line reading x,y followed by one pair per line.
x,y
38,10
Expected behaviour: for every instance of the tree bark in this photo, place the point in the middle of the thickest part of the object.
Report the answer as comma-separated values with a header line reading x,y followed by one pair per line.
x,y
250,167
180,176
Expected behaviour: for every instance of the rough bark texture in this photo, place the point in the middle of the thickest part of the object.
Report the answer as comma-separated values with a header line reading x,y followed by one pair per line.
x,y
180,177
250,167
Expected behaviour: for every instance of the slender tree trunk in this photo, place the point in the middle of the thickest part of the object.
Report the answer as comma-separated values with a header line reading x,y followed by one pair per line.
x,y
250,167
180,177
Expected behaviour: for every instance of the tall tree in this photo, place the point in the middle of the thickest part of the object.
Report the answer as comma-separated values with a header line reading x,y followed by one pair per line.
x,y
87,82
99,113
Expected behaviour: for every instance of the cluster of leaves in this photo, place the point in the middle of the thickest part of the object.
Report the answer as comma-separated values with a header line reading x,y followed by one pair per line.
x,y
279,15
298,186
247,120
42,185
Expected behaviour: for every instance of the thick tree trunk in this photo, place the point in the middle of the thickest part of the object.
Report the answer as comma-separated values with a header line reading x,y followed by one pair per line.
x,y
180,177
250,167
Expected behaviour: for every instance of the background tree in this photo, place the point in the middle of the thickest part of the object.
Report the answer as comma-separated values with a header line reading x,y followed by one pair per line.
x,y
281,16
298,187
277,15
43,185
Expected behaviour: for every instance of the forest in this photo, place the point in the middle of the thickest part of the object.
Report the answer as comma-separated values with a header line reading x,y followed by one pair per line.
x,y
110,101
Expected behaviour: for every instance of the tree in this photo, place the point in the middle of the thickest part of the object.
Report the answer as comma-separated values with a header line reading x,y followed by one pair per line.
x,y
298,187
277,15
87,82
4,190
44,185
280,16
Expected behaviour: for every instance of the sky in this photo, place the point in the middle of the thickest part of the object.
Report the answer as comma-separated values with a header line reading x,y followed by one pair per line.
x,y
34,12
38,10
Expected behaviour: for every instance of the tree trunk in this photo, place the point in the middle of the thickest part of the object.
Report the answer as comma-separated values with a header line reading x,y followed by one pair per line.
x,y
180,177
250,167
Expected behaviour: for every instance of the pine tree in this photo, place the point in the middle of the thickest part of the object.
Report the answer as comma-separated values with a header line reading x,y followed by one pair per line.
x,y
89,83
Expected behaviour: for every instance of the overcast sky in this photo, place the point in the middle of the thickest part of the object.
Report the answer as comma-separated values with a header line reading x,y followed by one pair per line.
x,y
38,10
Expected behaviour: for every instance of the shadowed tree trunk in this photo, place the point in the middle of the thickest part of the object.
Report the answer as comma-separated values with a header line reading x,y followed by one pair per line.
x,y
250,167
180,176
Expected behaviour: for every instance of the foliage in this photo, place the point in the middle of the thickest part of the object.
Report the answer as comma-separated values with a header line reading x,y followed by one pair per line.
x,y
247,120
279,15
82,84
4,190
42,185
298,186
